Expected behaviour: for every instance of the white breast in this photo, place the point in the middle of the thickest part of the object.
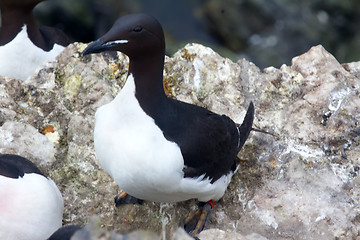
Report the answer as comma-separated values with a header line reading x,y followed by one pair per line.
x,y
20,58
134,151
31,207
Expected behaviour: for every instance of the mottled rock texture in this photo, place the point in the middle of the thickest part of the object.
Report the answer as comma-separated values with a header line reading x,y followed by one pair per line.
x,y
302,182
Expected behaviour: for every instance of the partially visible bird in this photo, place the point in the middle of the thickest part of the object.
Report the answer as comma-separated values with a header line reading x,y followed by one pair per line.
x,y
65,232
31,205
24,46
157,148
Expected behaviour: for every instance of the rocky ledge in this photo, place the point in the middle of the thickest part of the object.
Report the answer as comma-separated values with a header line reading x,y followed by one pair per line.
x,y
301,182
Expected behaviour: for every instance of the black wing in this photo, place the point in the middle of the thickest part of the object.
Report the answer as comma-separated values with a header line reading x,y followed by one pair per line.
x,y
14,166
209,142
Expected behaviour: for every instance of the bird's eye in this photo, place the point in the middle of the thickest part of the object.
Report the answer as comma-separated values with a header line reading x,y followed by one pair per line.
x,y
138,29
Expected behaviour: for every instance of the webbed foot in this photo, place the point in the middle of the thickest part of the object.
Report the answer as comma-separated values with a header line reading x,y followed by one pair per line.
x,y
124,198
198,221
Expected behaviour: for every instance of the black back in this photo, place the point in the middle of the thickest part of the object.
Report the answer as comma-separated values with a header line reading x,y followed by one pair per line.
x,y
64,233
14,166
209,142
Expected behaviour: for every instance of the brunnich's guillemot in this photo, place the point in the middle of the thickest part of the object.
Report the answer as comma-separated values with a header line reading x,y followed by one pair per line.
x,y
157,148
31,205
23,45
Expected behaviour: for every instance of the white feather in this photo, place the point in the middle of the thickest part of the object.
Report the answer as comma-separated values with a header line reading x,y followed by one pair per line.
x,y
31,207
20,58
134,151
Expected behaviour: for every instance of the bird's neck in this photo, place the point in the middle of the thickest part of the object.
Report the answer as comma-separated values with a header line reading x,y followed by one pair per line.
x,y
148,77
12,21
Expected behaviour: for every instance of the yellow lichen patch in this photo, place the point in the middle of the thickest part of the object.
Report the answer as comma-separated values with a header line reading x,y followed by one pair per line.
x,y
72,85
273,163
81,47
169,84
166,88
187,56
113,67
307,163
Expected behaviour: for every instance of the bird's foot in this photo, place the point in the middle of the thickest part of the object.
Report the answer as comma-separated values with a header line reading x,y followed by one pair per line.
x,y
199,220
124,198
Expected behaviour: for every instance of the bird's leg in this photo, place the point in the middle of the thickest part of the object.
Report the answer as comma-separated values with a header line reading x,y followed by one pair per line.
x,y
124,198
199,220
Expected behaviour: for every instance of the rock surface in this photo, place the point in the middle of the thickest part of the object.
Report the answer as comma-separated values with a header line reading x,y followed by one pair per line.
x,y
302,182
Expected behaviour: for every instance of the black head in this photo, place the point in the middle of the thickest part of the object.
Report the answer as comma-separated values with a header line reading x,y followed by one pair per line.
x,y
136,35
19,4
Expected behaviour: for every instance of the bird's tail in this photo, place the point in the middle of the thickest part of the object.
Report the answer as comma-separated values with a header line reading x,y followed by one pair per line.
x,y
246,126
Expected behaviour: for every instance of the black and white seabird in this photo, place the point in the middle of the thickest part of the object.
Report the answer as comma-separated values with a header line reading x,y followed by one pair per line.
x,y
23,45
31,205
157,148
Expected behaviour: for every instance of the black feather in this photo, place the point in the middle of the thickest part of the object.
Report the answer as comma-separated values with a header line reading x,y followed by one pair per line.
x,y
64,233
14,166
209,142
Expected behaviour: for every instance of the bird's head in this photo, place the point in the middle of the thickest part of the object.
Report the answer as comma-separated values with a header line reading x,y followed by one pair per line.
x,y
135,35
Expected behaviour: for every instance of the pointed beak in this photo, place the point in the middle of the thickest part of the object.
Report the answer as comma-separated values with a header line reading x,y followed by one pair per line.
x,y
99,46
94,47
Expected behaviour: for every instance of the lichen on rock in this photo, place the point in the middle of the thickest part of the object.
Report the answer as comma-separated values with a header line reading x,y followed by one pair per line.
x,y
302,182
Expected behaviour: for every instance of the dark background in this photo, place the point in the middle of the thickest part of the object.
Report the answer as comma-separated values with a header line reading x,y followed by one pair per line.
x,y
266,32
